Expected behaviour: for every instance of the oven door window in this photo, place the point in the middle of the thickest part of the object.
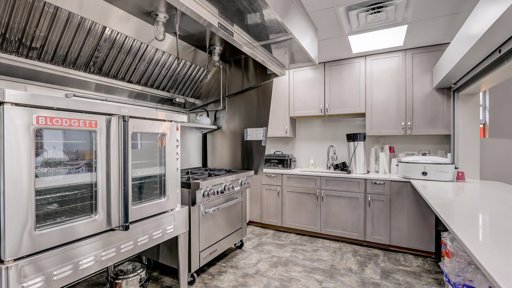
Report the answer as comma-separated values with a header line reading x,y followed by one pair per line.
x,y
148,167
66,187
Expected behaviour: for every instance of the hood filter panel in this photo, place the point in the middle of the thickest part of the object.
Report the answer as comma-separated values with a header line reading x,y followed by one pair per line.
x,y
38,30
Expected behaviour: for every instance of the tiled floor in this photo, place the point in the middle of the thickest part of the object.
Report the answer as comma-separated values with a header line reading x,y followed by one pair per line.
x,y
278,259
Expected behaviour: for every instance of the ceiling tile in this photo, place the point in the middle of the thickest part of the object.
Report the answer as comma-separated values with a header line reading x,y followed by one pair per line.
x,y
326,21
436,8
434,31
333,49
315,5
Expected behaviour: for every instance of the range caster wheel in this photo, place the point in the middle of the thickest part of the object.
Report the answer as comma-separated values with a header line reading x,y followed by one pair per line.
x,y
240,244
192,279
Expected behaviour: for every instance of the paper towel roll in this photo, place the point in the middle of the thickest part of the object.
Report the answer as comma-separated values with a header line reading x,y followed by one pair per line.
x,y
383,164
372,160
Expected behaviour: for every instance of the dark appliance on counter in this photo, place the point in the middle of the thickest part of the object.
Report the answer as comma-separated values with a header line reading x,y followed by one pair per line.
x,y
280,160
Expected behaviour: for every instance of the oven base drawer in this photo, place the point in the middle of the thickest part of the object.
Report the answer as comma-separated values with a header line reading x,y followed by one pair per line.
x,y
213,251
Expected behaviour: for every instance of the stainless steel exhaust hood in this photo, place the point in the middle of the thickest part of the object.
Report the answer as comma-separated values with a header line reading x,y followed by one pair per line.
x,y
109,47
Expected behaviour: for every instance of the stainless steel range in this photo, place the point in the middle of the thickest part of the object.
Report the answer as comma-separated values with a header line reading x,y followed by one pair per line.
x,y
218,211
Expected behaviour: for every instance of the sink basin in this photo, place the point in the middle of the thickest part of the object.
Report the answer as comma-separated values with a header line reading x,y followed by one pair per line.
x,y
321,171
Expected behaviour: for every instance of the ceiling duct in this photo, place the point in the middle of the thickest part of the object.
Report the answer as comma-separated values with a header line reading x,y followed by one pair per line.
x,y
374,14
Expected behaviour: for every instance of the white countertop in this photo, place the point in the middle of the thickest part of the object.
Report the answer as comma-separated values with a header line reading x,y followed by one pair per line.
x,y
324,173
479,213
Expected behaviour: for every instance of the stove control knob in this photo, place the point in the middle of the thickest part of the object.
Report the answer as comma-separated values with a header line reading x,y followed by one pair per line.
x,y
231,187
242,182
212,192
222,189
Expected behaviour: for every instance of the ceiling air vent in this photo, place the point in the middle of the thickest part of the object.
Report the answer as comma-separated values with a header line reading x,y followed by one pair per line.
x,y
374,15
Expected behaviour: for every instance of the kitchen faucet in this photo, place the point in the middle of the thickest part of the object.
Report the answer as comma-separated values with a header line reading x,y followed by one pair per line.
x,y
331,158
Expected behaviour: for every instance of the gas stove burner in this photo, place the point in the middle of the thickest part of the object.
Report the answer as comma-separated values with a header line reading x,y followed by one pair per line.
x,y
195,174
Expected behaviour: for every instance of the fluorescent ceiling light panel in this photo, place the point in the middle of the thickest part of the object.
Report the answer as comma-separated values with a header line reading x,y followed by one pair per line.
x,y
380,39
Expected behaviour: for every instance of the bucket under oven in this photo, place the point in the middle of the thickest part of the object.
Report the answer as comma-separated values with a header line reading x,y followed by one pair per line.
x,y
219,218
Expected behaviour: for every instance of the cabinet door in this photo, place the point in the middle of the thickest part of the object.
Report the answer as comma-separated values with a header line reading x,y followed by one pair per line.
x,y
307,91
378,218
385,94
301,208
271,204
412,220
428,109
345,86
279,123
343,214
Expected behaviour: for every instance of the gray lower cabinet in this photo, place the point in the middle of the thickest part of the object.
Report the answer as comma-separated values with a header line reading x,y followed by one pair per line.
x,y
378,218
342,214
412,220
271,205
301,208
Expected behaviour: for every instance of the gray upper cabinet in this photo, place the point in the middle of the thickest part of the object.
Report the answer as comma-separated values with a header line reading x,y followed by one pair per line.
x,y
271,204
345,86
378,218
428,109
400,98
343,214
385,94
280,124
307,91
412,220
301,208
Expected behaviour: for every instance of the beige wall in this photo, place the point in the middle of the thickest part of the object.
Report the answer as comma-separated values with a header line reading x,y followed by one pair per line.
x,y
467,134
315,134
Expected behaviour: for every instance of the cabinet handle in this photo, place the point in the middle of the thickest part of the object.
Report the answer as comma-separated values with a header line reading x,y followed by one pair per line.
x,y
327,108
270,175
317,197
369,200
403,127
278,192
286,129
321,108
409,127
323,199
378,182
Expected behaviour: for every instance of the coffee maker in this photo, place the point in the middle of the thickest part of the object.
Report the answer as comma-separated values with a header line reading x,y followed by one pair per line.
x,y
356,153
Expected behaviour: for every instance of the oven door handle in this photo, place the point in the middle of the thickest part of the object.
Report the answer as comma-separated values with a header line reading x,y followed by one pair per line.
x,y
214,210
125,178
